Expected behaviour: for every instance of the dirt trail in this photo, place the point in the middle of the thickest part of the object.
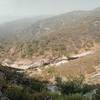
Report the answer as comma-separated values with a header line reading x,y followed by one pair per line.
x,y
23,65
83,54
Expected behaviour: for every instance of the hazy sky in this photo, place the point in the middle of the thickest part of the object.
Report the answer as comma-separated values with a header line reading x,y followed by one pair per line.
x,y
26,8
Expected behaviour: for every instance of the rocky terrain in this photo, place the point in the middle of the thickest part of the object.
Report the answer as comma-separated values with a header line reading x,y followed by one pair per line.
x,y
86,63
64,34
15,85
68,42
48,54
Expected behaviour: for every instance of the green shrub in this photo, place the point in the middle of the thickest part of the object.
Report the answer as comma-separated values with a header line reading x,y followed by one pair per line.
x,y
37,86
87,88
18,93
73,85
97,95
67,97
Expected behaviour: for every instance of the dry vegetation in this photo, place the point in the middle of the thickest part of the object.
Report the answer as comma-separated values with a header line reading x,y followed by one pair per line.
x,y
65,34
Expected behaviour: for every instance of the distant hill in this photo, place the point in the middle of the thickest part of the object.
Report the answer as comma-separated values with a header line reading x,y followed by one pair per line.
x,y
63,34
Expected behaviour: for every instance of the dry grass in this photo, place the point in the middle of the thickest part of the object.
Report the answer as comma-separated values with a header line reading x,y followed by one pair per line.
x,y
83,65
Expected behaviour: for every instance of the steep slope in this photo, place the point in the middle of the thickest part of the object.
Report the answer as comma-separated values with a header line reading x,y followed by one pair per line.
x,y
64,34
16,28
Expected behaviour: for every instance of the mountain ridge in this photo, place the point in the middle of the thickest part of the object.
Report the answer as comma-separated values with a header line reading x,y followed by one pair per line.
x,y
62,34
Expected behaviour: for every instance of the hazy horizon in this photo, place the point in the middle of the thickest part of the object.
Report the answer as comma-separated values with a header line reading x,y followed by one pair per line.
x,y
17,9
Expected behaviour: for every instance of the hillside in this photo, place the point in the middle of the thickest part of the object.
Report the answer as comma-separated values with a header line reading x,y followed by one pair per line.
x,y
51,58
59,35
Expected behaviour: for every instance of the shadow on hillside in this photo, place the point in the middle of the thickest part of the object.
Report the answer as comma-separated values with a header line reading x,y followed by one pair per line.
x,y
14,76
18,87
